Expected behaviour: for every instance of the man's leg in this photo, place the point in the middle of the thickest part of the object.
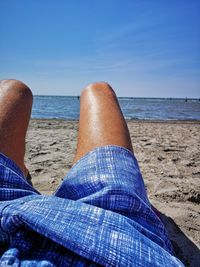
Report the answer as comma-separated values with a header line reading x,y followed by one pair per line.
x,y
101,120
15,109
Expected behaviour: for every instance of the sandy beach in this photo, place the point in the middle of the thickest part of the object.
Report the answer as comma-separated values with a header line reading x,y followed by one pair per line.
x,y
169,157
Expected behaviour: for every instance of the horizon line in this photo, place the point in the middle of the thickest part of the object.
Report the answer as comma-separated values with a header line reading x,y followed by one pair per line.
x,y
131,97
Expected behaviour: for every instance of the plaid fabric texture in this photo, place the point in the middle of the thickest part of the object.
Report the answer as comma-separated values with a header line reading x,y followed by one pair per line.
x,y
99,216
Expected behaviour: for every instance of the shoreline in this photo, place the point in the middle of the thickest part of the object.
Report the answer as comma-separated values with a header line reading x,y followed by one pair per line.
x,y
169,159
128,120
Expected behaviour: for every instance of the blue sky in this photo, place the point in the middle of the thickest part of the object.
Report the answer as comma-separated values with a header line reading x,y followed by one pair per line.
x,y
142,48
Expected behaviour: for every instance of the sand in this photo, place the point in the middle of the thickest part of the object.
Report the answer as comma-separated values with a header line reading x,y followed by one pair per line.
x,y
169,157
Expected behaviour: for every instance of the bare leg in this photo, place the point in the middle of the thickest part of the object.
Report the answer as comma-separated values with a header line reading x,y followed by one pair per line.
x,y
15,109
101,120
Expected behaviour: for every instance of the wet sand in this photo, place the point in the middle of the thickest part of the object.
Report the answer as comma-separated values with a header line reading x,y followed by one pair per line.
x,y
169,158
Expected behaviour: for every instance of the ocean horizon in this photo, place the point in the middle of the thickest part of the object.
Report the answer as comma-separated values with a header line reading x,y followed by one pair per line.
x,y
133,108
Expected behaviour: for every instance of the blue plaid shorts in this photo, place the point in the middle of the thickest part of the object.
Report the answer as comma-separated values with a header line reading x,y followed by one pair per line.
x,y
99,216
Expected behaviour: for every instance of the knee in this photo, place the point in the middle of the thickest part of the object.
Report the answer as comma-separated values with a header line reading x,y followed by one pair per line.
x,y
16,87
98,88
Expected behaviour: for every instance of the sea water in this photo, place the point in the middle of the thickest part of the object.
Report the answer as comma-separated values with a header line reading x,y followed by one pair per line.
x,y
67,107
